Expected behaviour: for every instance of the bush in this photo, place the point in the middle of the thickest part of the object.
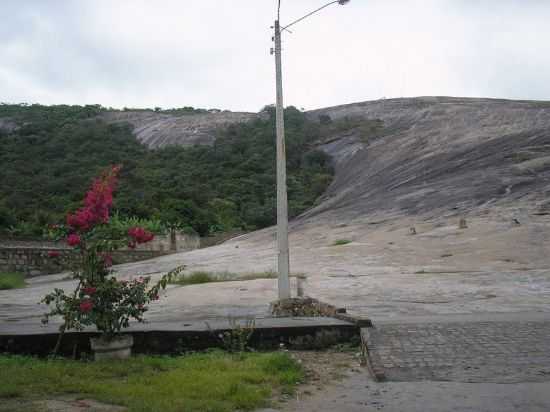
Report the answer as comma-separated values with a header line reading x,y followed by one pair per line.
x,y
230,185
100,299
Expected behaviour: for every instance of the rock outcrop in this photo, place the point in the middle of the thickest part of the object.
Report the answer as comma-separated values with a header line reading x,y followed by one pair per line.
x,y
440,154
158,129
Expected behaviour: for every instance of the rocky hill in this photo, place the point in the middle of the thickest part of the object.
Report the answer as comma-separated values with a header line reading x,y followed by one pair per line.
x,y
385,240
441,154
158,129
433,153
396,202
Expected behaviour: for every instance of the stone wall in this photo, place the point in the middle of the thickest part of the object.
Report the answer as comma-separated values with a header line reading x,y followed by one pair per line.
x,y
30,260
172,243
35,261
218,238
32,257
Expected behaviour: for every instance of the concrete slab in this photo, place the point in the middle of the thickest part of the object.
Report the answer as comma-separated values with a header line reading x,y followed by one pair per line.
x,y
177,337
22,329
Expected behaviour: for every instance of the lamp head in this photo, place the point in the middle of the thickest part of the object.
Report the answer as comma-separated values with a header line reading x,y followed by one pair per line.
x,y
343,2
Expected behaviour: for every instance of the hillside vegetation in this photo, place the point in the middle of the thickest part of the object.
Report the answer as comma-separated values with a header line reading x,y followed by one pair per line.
x,y
49,154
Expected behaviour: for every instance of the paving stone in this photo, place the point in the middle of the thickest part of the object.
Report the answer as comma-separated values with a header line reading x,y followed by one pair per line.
x,y
463,351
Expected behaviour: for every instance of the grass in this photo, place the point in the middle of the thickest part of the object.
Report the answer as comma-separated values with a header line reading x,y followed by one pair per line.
x,y
213,381
199,277
12,280
341,242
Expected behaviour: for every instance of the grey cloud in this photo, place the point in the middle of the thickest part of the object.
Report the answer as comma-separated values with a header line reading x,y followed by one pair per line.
x,y
215,53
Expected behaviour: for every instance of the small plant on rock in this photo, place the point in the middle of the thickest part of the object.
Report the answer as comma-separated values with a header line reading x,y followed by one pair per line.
x,y
236,338
341,242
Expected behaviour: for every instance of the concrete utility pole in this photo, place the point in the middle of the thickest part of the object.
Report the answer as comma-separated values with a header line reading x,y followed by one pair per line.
x,y
282,202
283,266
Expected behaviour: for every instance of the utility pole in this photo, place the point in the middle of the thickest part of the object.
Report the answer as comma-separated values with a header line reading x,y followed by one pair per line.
x,y
282,202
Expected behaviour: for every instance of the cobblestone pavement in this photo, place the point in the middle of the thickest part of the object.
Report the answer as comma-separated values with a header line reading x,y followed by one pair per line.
x,y
498,352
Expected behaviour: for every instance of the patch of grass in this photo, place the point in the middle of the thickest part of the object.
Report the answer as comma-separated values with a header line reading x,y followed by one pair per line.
x,y
195,278
214,381
199,277
341,242
352,347
259,275
12,280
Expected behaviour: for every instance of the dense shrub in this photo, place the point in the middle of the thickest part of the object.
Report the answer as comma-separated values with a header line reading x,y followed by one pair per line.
x,y
56,150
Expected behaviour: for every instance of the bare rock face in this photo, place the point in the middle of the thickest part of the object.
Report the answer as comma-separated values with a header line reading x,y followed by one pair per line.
x,y
440,154
7,124
158,129
433,155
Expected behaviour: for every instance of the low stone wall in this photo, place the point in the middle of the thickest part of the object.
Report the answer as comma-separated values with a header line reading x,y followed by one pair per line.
x,y
30,260
218,238
34,261
172,243
128,256
168,243
31,256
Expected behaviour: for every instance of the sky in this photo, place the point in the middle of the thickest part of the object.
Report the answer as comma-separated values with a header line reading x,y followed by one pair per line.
x,y
215,53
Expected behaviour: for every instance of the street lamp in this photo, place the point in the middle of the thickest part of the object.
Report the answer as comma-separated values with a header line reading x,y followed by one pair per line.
x,y
282,202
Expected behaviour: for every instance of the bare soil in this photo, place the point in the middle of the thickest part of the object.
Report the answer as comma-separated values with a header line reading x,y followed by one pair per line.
x,y
322,369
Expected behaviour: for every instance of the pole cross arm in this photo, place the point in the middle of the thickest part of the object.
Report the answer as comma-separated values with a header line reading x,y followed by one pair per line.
x,y
340,2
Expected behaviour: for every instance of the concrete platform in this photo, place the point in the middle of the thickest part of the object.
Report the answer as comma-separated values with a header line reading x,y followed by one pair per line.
x,y
173,337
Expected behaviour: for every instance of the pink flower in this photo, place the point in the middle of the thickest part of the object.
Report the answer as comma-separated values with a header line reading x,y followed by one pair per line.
x,y
97,202
89,290
82,219
107,260
54,253
86,306
73,239
140,235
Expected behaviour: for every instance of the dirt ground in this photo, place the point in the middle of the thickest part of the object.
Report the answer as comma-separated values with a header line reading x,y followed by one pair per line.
x,y
322,369
69,403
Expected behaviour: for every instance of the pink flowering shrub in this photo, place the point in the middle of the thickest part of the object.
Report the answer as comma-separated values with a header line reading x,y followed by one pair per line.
x,y
54,254
139,235
100,299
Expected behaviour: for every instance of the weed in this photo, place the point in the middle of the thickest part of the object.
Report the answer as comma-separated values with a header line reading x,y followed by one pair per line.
x,y
341,242
200,277
236,338
12,280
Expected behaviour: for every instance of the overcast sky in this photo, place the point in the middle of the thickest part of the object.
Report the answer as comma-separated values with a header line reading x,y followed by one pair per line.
x,y
215,53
